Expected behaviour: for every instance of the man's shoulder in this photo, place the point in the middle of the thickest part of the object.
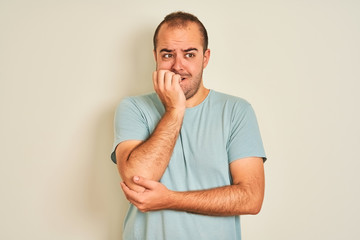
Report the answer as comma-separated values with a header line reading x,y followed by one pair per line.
x,y
145,101
142,99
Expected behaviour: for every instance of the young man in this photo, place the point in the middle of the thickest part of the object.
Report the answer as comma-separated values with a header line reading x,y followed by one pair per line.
x,y
191,159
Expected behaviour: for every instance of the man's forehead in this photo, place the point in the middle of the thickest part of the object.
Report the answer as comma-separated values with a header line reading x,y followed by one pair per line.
x,y
177,25
179,37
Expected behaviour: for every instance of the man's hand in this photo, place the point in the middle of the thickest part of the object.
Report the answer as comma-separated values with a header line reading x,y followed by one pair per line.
x,y
244,196
154,197
167,86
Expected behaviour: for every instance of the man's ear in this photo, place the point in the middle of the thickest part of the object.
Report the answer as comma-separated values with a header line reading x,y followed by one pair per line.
x,y
206,57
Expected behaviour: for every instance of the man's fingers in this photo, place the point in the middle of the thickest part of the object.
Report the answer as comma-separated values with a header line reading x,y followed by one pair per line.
x,y
160,79
168,78
131,195
126,190
165,80
176,79
148,184
155,77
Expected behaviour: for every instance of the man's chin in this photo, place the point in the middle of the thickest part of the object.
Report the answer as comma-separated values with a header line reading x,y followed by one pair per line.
x,y
189,94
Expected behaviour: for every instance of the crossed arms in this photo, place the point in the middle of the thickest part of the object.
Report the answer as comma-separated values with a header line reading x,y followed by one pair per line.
x,y
141,164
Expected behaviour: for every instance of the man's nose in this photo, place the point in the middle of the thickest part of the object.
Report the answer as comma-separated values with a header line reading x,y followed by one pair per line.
x,y
178,63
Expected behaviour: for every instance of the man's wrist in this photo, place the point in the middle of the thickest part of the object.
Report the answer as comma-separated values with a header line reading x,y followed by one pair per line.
x,y
178,112
172,200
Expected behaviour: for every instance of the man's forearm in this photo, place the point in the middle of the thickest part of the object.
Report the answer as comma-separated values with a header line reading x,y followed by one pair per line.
x,y
244,196
223,201
229,200
150,158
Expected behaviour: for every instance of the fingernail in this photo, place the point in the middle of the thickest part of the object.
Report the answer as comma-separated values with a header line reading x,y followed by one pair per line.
x,y
136,178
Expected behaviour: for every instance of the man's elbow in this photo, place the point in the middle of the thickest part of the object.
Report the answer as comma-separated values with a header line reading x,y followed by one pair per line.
x,y
252,207
256,204
255,209
127,176
128,180
250,210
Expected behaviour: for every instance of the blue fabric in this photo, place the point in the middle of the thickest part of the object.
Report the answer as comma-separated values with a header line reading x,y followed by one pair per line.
x,y
218,131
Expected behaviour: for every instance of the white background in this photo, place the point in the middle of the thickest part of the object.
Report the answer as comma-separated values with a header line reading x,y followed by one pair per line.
x,y
65,65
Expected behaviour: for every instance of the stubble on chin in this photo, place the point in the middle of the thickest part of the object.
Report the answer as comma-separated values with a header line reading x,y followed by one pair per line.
x,y
191,90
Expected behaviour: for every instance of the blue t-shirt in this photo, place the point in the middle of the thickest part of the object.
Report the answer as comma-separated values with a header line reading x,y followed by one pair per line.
x,y
216,132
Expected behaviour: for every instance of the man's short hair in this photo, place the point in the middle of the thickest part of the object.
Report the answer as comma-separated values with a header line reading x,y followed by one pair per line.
x,y
181,19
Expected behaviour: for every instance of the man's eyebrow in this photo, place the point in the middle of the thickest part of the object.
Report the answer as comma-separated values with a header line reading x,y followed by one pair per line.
x,y
191,49
186,50
165,50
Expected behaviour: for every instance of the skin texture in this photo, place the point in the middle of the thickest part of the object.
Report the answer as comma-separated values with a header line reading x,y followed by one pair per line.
x,y
180,60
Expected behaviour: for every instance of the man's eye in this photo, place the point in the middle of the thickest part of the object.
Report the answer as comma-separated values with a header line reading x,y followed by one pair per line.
x,y
167,55
190,55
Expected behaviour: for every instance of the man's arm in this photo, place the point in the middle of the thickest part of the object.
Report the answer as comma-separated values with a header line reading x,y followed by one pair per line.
x,y
244,196
150,158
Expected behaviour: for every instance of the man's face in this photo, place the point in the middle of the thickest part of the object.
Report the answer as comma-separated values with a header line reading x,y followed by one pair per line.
x,y
180,50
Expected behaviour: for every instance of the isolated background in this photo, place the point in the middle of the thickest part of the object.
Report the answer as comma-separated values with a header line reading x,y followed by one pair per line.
x,y
65,65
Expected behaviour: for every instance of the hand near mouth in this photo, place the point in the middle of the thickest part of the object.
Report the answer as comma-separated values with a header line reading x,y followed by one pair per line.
x,y
167,86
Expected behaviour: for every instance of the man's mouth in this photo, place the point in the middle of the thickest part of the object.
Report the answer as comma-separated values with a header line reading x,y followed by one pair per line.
x,y
184,77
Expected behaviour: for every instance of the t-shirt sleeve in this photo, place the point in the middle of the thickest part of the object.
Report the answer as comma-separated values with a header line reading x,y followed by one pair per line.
x,y
245,139
129,124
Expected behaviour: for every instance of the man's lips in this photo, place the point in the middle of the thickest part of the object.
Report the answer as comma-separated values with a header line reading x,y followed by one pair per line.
x,y
184,77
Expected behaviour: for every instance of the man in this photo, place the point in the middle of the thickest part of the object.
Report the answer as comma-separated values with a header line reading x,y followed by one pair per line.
x,y
191,159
